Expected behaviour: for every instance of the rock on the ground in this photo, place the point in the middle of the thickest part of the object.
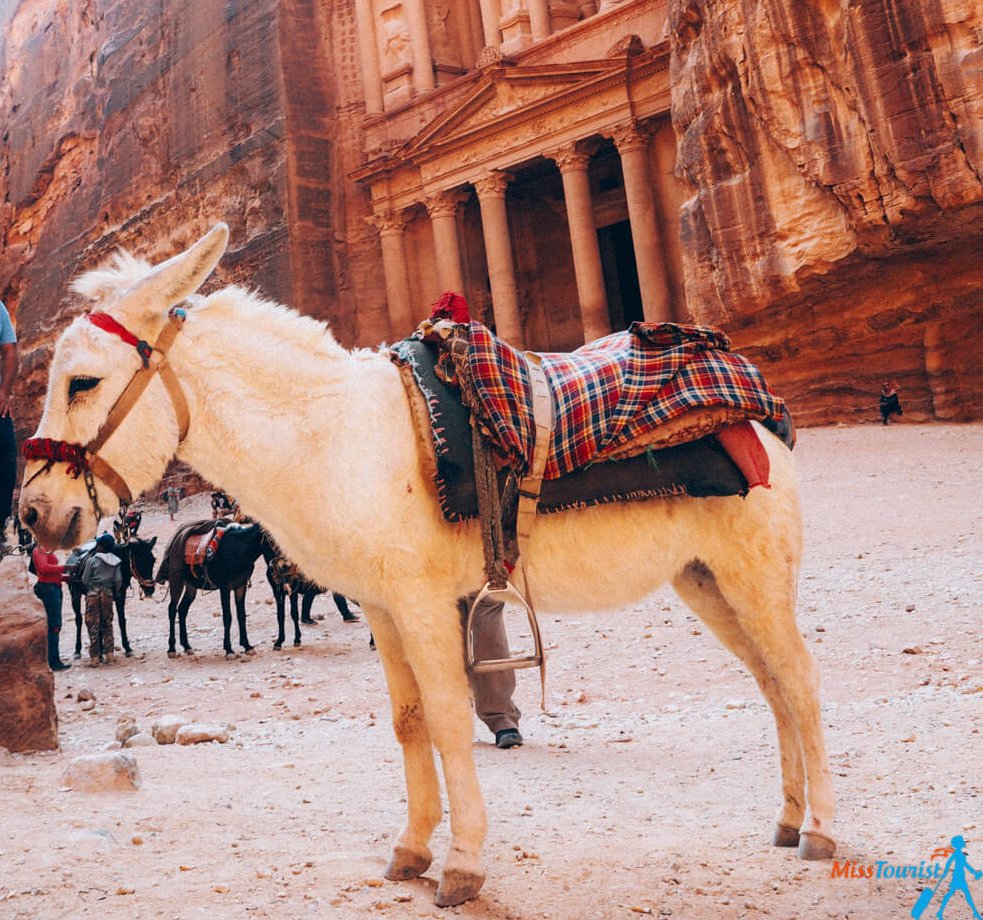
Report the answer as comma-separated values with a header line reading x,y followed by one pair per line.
x,y
126,728
200,732
28,719
165,728
102,773
140,739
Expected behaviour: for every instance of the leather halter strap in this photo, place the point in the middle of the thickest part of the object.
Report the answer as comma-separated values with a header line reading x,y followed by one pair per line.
x,y
85,460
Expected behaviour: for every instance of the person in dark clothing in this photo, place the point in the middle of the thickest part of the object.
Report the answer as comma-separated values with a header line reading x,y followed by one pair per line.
x,y
890,403
51,574
102,579
8,443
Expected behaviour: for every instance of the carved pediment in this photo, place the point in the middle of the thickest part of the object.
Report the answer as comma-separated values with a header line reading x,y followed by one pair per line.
x,y
503,93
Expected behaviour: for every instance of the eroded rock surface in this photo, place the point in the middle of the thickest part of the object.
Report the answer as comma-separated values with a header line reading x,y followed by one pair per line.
x,y
28,720
834,153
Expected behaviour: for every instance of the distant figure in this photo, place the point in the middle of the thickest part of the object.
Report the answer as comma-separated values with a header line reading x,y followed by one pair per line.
x,y
171,496
890,404
51,573
101,580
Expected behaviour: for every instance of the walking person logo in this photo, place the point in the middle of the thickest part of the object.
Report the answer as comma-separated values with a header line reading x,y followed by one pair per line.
x,y
959,865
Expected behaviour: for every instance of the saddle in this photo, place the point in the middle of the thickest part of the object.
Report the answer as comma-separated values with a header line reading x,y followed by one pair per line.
x,y
201,548
660,410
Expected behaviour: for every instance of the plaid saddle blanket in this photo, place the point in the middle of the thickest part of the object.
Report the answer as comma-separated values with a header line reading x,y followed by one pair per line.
x,y
615,397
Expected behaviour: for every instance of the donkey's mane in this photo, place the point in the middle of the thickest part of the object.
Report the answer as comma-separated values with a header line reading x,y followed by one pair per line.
x,y
125,270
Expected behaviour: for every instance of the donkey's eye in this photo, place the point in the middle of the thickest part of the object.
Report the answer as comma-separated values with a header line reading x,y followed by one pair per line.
x,y
81,385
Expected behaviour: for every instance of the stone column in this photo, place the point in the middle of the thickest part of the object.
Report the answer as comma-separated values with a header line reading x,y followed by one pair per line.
x,y
498,251
594,314
416,17
539,19
491,13
369,54
391,226
442,208
653,280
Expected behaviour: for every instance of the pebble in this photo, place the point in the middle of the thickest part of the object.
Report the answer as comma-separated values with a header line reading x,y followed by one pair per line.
x,y
85,694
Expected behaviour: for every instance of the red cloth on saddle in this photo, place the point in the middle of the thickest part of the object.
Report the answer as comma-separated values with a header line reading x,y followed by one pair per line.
x,y
611,391
200,548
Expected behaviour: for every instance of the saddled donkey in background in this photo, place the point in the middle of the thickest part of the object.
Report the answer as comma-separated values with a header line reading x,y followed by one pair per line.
x,y
319,443
228,571
287,580
137,558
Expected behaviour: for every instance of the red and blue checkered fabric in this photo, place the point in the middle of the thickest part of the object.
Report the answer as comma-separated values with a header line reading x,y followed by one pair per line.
x,y
610,391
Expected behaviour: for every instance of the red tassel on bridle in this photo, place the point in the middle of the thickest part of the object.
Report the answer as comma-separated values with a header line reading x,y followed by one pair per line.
x,y
57,452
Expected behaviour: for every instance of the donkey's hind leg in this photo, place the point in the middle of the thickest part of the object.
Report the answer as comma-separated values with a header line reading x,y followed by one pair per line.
x,y
240,598
411,854
121,616
764,602
697,587
295,616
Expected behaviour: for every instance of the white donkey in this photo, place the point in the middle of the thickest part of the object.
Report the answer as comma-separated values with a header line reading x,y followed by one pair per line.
x,y
318,443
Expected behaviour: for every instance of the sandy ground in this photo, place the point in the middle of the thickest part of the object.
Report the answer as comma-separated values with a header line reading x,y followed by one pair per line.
x,y
650,789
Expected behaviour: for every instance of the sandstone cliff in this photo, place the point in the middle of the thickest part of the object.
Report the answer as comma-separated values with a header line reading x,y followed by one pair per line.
x,y
141,124
834,154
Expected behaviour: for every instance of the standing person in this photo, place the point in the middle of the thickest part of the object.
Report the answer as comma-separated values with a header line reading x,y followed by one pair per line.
x,y
890,403
8,444
493,690
171,496
50,575
102,579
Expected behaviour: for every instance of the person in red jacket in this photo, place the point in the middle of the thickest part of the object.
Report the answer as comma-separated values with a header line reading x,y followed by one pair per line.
x,y
51,573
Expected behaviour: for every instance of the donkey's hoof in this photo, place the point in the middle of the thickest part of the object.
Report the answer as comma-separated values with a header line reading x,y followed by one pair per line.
x,y
128,652
248,650
171,653
230,656
458,886
785,836
816,846
277,645
405,864
77,656
297,644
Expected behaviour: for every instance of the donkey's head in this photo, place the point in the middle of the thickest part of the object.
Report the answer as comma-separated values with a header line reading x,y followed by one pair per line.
x,y
93,447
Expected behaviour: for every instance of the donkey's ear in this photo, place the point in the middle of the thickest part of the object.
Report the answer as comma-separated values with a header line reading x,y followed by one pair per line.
x,y
179,277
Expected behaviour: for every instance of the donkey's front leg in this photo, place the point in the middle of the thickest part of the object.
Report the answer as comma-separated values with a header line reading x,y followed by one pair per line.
x,y
121,616
411,855
434,647
240,596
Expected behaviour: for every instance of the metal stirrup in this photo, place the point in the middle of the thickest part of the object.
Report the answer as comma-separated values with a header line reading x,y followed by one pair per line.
x,y
529,489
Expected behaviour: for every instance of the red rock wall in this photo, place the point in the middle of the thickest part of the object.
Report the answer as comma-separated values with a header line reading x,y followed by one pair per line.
x,y
834,153
141,124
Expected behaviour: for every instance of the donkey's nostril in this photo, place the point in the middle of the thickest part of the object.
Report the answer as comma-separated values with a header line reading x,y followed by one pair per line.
x,y
30,517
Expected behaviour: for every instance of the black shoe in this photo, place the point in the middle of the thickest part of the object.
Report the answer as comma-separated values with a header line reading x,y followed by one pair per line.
x,y
59,666
508,738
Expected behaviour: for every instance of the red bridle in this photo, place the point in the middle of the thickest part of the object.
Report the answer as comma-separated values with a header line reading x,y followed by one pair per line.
x,y
84,460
